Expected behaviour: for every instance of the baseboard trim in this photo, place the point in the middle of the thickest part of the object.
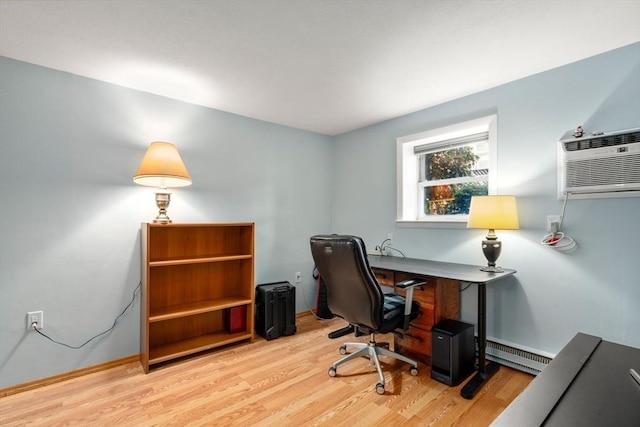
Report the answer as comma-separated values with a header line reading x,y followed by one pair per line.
x,y
19,388
304,314
310,313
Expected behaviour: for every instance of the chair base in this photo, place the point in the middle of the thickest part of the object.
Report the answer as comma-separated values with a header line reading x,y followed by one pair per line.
x,y
373,351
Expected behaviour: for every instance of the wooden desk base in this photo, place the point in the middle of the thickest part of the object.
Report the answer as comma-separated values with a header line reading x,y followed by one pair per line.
x,y
439,299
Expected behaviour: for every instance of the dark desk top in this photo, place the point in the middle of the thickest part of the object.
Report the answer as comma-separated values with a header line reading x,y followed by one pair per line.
x,y
445,270
586,384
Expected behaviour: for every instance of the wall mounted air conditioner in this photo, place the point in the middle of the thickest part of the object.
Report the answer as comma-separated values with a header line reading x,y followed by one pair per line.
x,y
599,166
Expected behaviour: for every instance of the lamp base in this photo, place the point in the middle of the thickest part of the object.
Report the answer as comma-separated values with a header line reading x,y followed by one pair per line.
x,y
162,201
492,269
162,220
491,247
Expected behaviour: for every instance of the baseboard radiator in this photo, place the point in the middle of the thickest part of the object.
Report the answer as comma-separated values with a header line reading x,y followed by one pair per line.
x,y
516,358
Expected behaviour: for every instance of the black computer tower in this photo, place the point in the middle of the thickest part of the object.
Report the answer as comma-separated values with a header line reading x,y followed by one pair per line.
x,y
275,310
452,351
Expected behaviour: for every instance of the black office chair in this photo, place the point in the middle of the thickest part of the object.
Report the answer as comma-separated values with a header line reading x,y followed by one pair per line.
x,y
353,293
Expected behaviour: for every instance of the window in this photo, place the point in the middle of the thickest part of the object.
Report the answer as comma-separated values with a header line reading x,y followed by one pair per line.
x,y
439,170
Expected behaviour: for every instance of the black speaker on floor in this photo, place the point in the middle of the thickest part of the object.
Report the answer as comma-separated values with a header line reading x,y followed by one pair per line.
x,y
275,309
452,351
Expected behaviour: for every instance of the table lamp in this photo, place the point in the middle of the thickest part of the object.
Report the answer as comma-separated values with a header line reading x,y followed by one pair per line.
x,y
493,212
162,167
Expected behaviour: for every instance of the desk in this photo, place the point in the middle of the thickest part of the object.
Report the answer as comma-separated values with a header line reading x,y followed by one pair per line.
x,y
586,384
457,273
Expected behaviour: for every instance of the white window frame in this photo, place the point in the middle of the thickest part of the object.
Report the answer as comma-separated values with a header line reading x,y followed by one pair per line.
x,y
410,195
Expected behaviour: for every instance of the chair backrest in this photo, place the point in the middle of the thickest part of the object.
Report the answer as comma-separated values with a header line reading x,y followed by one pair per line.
x,y
353,292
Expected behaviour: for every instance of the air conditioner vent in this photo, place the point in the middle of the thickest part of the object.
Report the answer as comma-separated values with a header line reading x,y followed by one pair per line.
x,y
604,171
600,166
601,141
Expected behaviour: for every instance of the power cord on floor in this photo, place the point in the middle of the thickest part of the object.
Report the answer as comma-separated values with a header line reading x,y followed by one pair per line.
x,y
115,322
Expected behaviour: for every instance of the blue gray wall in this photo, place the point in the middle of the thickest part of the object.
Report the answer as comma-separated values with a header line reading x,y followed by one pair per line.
x,y
70,213
595,289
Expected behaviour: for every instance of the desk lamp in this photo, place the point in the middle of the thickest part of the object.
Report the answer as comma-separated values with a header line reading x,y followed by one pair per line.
x,y
493,212
162,167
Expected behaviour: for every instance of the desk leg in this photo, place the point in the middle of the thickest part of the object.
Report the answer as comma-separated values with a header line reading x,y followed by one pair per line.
x,y
485,371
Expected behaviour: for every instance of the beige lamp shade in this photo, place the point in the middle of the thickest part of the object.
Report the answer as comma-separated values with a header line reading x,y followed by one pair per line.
x,y
493,212
162,167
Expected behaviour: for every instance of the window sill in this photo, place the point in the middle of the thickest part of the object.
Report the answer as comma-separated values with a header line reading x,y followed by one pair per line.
x,y
451,224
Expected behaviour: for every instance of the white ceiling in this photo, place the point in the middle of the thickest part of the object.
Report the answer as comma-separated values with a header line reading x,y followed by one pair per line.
x,y
327,66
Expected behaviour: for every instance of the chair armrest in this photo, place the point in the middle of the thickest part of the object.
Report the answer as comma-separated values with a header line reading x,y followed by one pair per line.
x,y
408,285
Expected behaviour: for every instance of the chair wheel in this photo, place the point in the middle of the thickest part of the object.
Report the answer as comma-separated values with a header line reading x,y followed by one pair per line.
x,y
413,371
332,371
379,388
343,349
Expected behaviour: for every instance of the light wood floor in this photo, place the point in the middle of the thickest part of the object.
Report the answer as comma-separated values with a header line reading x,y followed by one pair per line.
x,y
282,382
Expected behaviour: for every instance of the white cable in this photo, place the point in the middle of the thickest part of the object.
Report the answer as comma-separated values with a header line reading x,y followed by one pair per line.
x,y
558,240
564,208
394,249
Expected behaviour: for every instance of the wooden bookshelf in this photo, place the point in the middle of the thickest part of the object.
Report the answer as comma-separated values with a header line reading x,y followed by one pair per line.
x,y
192,275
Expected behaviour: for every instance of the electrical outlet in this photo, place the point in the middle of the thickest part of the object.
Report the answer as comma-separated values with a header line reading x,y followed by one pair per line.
x,y
298,277
36,317
550,220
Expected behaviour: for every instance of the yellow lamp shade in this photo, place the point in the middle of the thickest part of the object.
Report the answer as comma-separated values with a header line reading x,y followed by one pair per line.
x,y
162,167
493,212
